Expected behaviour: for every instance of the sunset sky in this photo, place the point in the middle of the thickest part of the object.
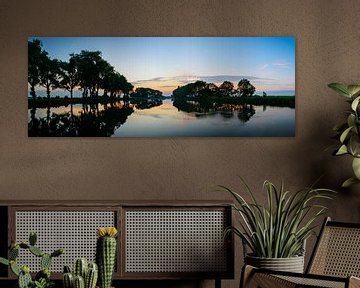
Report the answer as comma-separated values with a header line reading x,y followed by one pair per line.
x,y
164,63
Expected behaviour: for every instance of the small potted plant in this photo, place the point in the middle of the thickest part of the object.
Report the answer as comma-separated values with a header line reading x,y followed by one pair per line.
x,y
106,254
84,274
275,233
349,132
42,278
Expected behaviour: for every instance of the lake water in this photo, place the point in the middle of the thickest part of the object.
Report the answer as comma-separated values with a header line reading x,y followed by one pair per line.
x,y
163,120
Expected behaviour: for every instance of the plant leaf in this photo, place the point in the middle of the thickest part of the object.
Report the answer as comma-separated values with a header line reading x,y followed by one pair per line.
x,y
349,182
4,261
279,228
353,89
355,103
356,167
340,88
345,134
351,120
342,150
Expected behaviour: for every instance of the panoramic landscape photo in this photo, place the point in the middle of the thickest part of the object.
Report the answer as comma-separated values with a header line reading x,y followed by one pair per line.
x,y
161,86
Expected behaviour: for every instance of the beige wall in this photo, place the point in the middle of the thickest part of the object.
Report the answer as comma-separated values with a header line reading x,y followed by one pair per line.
x,y
327,49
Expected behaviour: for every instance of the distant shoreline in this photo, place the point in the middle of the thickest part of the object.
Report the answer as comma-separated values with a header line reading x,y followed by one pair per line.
x,y
279,101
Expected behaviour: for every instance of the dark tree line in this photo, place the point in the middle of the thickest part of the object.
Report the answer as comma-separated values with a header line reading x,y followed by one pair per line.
x,y
86,70
226,89
146,93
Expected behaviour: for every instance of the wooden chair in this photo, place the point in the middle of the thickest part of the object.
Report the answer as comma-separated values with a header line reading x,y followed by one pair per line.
x,y
334,263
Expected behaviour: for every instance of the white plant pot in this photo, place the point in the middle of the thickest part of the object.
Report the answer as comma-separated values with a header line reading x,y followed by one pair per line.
x,y
291,264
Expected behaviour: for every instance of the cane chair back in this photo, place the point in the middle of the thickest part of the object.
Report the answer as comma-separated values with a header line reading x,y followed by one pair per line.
x,y
335,262
337,252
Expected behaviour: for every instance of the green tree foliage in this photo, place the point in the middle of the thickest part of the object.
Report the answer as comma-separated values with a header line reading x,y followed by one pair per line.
x,y
128,88
245,88
86,70
115,83
49,73
95,73
148,93
35,56
196,89
226,88
68,76
41,69
89,64
201,89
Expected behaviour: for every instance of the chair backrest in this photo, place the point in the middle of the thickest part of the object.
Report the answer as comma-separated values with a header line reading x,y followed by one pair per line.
x,y
337,251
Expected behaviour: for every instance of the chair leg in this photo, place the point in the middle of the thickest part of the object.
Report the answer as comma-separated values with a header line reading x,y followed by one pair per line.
x,y
217,283
246,274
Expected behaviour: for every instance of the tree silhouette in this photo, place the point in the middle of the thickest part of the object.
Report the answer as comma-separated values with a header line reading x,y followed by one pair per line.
x,y
69,76
88,70
126,87
49,72
142,92
226,88
245,88
35,54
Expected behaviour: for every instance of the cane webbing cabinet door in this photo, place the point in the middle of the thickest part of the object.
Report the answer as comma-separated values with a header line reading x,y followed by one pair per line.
x,y
170,242
167,240
68,227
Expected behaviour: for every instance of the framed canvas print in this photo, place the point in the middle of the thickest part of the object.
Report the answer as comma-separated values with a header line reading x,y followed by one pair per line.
x,y
161,86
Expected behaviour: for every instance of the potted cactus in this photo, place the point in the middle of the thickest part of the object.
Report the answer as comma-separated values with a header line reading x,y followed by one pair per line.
x,y
84,275
42,278
106,254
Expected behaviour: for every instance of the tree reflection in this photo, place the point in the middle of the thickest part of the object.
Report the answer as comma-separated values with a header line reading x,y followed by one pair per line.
x,y
146,103
208,109
90,122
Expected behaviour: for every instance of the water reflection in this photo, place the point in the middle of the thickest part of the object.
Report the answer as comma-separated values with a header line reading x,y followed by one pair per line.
x,y
91,120
203,109
143,103
161,118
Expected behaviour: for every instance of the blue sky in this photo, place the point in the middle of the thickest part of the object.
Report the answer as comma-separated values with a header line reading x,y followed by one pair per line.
x,y
165,62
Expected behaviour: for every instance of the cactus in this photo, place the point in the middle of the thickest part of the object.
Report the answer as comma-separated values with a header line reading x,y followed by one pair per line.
x,y
45,261
24,245
14,268
80,267
90,272
13,253
68,280
4,261
43,274
105,254
32,238
91,276
42,278
36,251
24,279
57,252
79,282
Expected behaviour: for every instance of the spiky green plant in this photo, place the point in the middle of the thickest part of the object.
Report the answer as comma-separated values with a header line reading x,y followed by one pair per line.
x,y
279,229
85,274
106,254
80,267
91,275
79,282
42,278
349,132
